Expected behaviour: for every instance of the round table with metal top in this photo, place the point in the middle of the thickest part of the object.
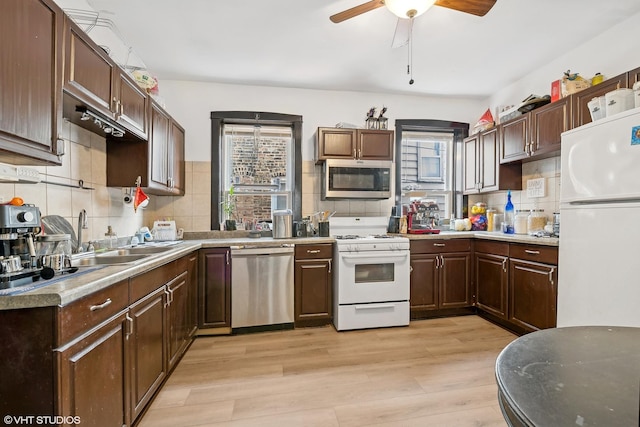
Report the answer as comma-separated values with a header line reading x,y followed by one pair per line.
x,y
575,376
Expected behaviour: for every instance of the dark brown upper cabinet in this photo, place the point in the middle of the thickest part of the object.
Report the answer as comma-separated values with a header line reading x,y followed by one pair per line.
x,y
93,81
30,70
363,144
536,134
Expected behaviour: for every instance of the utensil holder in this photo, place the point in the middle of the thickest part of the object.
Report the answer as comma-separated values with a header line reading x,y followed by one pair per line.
x,y
323,228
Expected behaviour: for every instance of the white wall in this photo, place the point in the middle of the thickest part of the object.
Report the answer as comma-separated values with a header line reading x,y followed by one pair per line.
x,y
611,53
192,102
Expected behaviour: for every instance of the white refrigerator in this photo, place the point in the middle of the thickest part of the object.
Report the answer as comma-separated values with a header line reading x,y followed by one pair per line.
x,y
599,258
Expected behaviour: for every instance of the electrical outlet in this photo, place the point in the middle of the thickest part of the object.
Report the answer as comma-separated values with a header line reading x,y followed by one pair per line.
x,y
1,200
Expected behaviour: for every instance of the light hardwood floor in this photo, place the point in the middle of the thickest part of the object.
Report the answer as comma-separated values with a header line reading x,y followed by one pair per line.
x,y
437,372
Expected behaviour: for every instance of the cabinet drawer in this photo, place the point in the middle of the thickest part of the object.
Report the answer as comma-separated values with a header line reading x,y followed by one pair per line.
x,y
535,253
142,285
317,251
494,248
82,315
436,246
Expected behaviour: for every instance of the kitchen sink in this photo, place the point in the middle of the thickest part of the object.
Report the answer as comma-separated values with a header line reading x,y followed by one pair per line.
x,y
150,250
106,260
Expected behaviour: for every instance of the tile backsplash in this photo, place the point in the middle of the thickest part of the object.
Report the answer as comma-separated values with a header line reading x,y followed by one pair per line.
x,y
549,169
85,160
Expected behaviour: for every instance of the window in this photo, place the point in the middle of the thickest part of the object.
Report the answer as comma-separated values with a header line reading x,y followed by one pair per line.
x,y
428,172
258,158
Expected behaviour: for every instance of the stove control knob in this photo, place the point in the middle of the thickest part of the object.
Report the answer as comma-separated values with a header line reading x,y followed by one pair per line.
x,y
25,216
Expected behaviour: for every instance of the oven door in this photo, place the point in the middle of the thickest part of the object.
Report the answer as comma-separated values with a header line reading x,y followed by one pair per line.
x,y
377,276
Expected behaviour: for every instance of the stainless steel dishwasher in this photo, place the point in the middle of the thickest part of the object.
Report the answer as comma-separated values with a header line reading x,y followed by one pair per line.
x,y
261,285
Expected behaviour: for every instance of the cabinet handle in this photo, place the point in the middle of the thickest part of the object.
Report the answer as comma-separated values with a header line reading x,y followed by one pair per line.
x,y
440,245
410,269
114,104
168,294
532,145
359,153
315,251
101,306
129,321
354,153
441,261
329,266
437,262
504,265
121,108
227,257
530,252
551,275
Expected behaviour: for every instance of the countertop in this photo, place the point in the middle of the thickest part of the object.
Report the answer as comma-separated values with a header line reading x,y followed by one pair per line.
x,y
574,376
63,291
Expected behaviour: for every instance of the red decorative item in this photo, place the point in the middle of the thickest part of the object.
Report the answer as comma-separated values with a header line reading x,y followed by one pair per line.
x,y
140,199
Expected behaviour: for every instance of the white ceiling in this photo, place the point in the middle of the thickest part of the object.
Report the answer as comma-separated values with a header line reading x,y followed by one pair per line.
x,y
292,43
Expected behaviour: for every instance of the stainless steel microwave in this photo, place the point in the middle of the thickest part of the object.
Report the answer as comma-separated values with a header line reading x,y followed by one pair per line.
x,y
356,179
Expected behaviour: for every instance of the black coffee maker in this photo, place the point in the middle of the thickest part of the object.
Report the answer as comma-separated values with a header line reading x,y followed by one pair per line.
x,y
394,220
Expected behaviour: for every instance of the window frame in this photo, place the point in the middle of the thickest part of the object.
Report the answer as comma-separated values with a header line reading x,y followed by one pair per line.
x,y
219,119
460,132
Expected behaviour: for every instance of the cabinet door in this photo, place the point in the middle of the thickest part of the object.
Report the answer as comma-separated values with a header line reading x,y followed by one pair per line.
x,y
192,283
313,290
547,124
533,294
215,288
93,376
471,166
132,105
579,100
423,283
30,105
488,163
159,148
177,318
492,279
335,143
375,144
176,162
455,280
514,139
89,72
147,346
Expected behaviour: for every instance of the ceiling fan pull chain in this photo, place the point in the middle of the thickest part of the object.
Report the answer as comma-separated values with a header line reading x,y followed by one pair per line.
x,y
410,52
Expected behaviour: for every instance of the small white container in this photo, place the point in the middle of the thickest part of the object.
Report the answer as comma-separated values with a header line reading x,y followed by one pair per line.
x,y
619,100
636,94
597,108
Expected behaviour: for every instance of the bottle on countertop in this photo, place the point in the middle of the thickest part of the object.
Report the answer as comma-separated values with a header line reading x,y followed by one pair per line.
x,y
509,216
111,237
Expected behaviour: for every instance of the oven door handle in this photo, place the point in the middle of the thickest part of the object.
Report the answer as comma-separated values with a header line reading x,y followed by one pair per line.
x,y
368,256
373,306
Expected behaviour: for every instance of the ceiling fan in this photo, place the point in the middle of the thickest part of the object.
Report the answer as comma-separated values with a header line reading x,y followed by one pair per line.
x,y
412,8
407,10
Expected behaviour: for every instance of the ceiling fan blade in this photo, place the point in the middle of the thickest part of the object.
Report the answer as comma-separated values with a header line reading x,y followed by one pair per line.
x,y
474,7
355,11
401,35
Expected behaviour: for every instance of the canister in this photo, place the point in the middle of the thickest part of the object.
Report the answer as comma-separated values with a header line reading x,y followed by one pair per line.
x,y
490,213
619,100
282,224
536,221
520,222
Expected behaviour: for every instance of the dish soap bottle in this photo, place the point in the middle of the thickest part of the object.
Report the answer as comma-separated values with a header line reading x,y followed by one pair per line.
x,y
112,238
509,215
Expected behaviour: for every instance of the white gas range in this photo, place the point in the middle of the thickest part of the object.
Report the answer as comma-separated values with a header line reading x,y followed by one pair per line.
x,y
371,275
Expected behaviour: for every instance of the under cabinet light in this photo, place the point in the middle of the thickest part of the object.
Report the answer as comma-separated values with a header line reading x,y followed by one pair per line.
x,y
103,124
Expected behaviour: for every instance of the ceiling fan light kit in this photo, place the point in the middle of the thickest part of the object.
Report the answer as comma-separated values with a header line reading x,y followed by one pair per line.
x,y
408,8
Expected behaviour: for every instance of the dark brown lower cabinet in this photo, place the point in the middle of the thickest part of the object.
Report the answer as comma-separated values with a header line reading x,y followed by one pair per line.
x,y
492,277
178,328
533,294
95,368
215,288
313,285
147,349
440,276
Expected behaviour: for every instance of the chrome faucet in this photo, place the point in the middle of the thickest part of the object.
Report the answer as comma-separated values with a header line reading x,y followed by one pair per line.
x,y
82,225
